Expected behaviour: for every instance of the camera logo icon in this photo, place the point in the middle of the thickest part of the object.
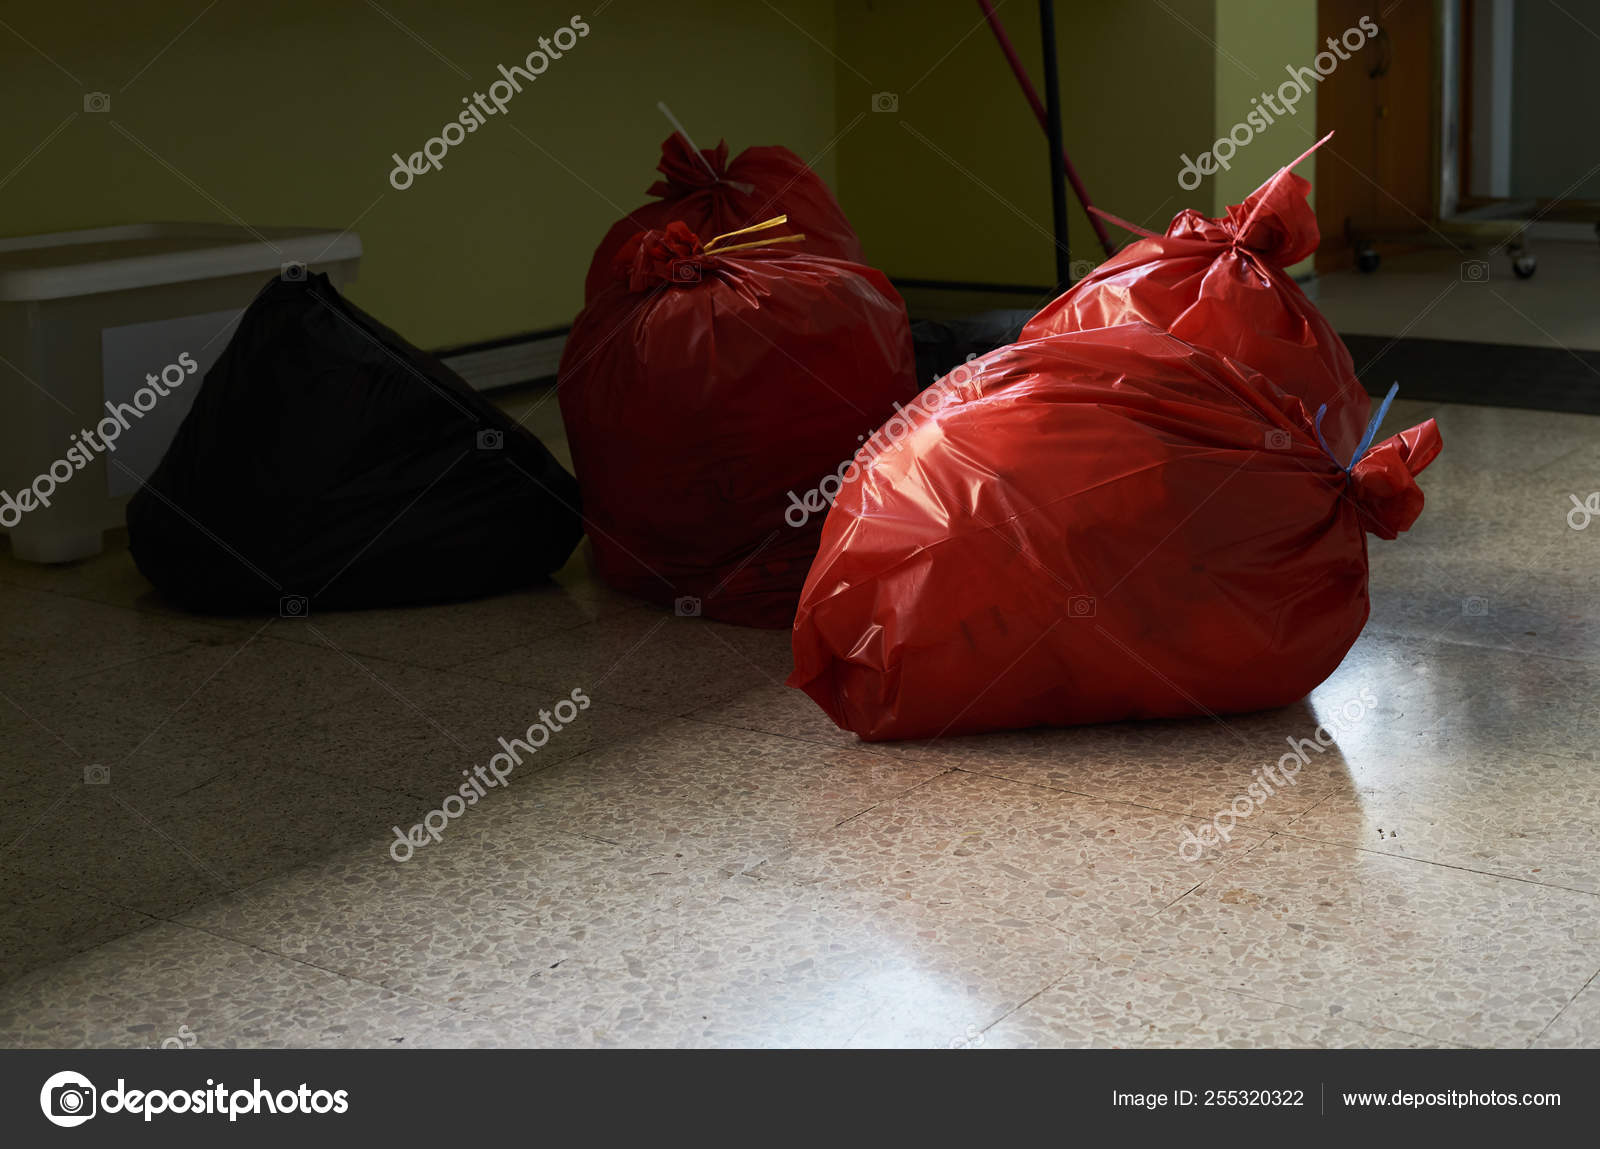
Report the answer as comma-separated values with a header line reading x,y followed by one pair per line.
x,y
1080,268
1081,606
67,1099
686,607
1474,271
491,440
1475,607
96,775
97,102
293,606
292,272
885,101
685,271
1278,439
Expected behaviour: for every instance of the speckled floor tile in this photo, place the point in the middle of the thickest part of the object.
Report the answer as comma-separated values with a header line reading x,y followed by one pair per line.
x,y
1447,954
28,750
743,963
1198,768
732,798
1104,1006
1481,701
452,633
1090,868
42,924
136,843
142,989
646,658
1578,1026
204,695
1531,816
110,578
1477,510
1510,440
423,727
773,708
1438,698
482,910
50,637
1484,603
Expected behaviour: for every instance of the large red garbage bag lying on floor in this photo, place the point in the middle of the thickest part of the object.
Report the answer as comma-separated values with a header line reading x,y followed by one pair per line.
x,y
1220,284
1095,526
711,400
759,183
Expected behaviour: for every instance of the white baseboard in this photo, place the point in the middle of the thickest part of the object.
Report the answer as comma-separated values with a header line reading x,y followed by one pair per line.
x,y
527,361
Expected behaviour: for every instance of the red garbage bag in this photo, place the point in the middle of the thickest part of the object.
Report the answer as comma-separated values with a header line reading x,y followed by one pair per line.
x,y
759,183
711,399
1220,284
1095,526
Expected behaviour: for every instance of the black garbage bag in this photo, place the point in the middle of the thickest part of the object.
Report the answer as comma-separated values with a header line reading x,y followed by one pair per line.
x,y
327,463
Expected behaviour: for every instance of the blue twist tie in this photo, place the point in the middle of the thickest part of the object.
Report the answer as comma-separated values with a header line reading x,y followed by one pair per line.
x,y
1366,440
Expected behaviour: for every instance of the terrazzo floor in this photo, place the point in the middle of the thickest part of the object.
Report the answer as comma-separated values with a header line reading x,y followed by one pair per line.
x,y
195,822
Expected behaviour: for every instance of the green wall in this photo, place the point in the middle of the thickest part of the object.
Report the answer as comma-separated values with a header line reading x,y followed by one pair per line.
x,y
1256,41
956,183
287,113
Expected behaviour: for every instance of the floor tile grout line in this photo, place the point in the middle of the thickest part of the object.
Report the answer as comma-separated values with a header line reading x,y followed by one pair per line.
x,y
892,798
151,921
1562,1010
1262,833
178,648
455,667
333,973
1463,645
1021,1005
1300,1010
1227,863
1403,858
104,897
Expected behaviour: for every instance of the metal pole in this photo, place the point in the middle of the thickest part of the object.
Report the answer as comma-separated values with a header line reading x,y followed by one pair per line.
x,y
1058,178
1008,50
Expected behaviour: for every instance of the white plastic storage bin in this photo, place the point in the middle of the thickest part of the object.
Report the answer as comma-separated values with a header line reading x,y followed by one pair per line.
x,y
119,324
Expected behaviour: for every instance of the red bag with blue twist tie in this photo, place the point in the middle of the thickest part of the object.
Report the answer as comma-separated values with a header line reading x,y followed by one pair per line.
x,y
1093,526
1220,284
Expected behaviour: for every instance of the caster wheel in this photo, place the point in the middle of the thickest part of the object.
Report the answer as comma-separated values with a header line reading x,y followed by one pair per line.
x,y
1367,260
1524,265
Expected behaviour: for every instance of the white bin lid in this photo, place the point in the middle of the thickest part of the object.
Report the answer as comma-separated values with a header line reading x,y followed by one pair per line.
x,y
101,259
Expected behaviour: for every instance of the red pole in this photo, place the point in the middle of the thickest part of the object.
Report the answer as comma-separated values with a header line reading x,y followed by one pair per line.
x,y
1044,122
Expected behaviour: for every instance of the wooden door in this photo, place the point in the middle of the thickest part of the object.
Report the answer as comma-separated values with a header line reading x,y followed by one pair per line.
x,y
1376,176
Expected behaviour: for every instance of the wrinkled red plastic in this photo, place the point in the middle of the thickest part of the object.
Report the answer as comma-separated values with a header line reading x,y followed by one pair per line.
x,y
702,390
760,183
1095,526
1220,284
